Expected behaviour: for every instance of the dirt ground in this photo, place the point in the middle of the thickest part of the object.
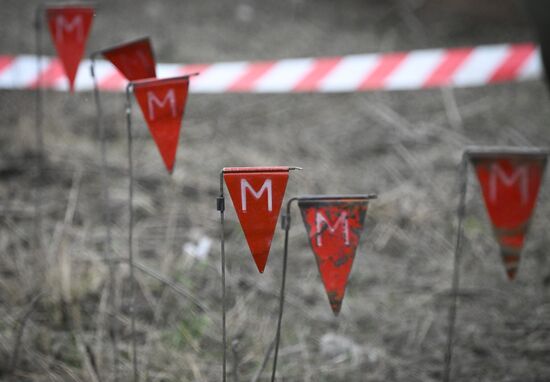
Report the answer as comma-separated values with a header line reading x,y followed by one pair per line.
x,y
405,146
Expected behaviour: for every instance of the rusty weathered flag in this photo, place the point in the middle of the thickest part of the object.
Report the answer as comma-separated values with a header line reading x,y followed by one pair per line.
x,y
134,60
69,27
510,183
162,103
334,227
257,194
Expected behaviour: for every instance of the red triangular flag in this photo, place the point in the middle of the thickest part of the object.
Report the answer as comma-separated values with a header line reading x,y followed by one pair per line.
x,y
510,184
69,27
135,60
334,228
257,194
162,103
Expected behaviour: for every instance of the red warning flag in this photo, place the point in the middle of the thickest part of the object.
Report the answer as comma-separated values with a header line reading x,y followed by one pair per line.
x,y
135,60
162,103
510,183
69,27
334,227
257,194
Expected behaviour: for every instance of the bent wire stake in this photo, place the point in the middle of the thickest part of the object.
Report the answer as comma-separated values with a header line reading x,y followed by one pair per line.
x,y
39,116
463,179
129,89
285,223
273,188
38,82
106,201
105,195
135,87
286,227
510,179
220,204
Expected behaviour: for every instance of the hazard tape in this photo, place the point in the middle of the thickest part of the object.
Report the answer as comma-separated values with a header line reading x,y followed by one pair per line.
x,y
420,69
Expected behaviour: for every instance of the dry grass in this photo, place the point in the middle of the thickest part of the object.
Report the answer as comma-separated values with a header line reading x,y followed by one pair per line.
x,y
55,303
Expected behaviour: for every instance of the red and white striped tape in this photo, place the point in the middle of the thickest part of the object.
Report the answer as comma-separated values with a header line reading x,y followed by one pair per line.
x,y
420,69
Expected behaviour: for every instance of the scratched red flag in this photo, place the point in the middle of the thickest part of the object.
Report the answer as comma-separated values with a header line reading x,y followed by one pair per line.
x,y
510,184
162,103
334,228
134,60
257,194
69,27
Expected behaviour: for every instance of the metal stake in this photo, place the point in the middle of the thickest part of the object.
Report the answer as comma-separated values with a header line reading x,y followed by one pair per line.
x,y
38,89
456,271
39,155
130,231
286,227
221,207
100,128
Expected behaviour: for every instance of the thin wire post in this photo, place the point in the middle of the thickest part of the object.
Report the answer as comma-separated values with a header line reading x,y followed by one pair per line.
x,y
456,270
286,227
100,129
38,89
220,201
130,231
39,154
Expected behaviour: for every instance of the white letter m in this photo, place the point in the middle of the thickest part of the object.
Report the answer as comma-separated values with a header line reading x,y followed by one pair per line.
x,y
320,219
152,100
257,195
520,174
65,26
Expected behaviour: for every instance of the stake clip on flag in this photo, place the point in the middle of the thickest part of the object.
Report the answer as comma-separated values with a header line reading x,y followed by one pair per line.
x,y
510,180
134,60
69,26
162,102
